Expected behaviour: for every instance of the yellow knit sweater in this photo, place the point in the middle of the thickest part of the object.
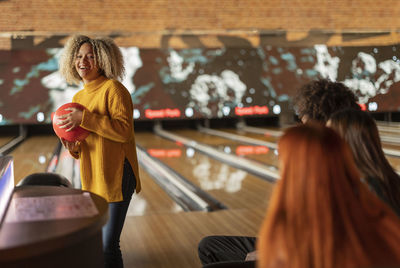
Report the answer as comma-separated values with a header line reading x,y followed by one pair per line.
x,y
109,118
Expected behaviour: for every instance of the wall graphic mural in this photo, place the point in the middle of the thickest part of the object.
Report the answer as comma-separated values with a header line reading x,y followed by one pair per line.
x,y
204,83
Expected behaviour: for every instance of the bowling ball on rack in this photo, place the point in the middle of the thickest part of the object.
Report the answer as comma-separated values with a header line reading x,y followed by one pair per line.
x,y
76,134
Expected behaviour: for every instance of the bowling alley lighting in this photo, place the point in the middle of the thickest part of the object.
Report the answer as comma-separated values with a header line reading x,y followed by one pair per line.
x,y
40,117
372,106
165,153
136,113
227,149
189,112
276,109
42,159
251,150
190,152
226,110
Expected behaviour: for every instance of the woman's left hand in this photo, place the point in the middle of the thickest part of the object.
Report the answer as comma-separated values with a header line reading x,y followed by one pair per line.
x,y
70,120
72,146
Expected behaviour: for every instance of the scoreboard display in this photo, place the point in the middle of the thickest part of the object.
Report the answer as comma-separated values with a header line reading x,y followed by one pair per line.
x,y
205,82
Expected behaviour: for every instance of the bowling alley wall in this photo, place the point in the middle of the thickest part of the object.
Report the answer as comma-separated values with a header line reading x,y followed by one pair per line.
x,y
203,59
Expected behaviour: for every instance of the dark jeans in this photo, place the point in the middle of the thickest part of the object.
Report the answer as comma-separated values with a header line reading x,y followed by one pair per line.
x,y
117,212
226,251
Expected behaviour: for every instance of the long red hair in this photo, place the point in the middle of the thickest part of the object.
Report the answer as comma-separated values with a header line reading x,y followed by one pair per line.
x,y
321,214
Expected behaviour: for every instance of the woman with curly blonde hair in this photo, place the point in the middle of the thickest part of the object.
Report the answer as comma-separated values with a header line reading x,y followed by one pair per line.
x,y
321,214
108,160
107,57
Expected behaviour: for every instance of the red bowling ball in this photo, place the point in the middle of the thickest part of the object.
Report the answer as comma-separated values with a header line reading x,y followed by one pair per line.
x,y
76,134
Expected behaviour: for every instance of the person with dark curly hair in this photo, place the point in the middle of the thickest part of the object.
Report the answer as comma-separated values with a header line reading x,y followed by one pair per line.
x,y
318,99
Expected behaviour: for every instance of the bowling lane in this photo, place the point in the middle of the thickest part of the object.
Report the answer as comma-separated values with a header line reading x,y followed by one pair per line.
x,y
391,146
257,153
388,127
33,155
389,132
5,140
152,199
394,161
266,137
233,187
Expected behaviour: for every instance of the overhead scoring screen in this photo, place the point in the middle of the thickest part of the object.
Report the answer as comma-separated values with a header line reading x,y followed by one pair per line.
x,y
198,83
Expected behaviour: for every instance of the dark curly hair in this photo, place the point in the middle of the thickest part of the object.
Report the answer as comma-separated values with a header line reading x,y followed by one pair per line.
x,y
318,99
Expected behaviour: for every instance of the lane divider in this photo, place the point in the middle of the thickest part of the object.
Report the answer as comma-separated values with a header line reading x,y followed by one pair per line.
x,y
390,139
8,147
391,152
268,173
238,138
265,132
276,133
182,191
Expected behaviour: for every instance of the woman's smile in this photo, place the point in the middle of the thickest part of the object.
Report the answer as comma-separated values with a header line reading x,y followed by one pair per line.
x,y
85,63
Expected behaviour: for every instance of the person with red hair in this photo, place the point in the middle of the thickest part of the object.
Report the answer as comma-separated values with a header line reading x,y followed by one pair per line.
x,y
320,213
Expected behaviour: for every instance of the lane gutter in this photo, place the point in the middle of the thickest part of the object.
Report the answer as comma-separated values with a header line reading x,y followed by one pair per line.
x,y
11,145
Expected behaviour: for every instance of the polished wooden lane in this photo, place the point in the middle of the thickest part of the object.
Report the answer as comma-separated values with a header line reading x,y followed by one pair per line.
x,y
388,127
4,140
258,153
394,161
33,155
392,146
233,187
389,132
264,137
168,238
152,199
171,240
388,145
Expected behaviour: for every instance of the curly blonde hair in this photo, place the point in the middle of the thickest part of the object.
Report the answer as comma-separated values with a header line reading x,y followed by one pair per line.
x,y
108,58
